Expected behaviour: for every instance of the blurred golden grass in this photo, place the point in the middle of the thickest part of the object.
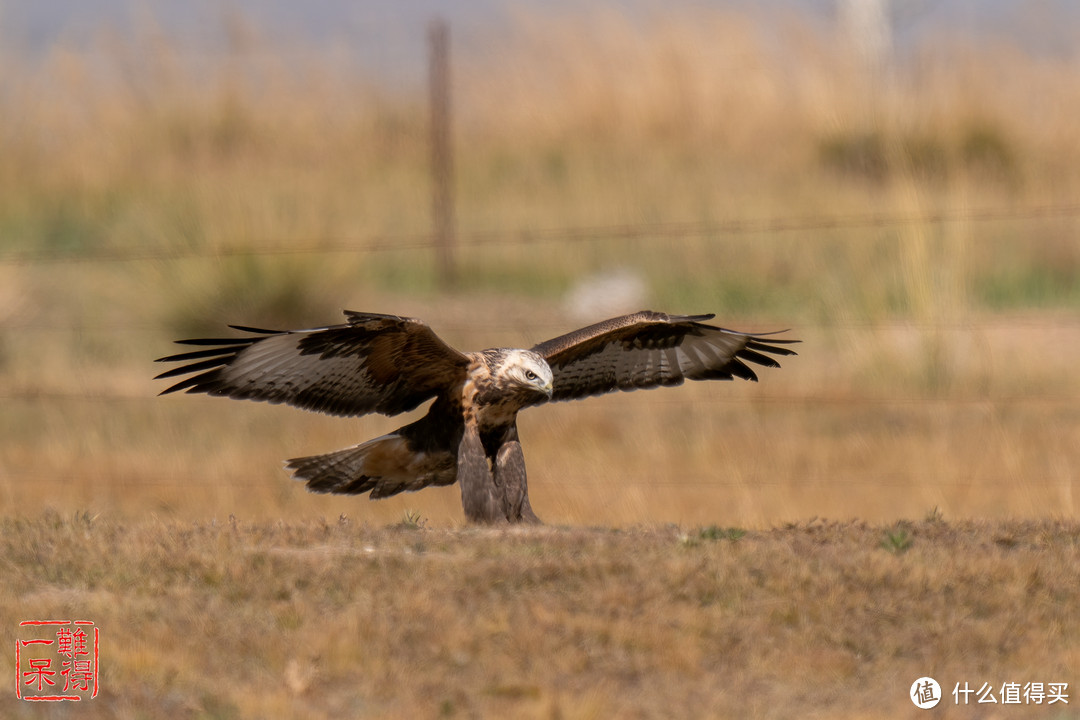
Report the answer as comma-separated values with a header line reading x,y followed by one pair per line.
x,y
588,119
865,423
935,351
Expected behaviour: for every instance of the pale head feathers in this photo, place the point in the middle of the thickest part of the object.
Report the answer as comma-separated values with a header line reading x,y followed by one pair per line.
x,y
523,369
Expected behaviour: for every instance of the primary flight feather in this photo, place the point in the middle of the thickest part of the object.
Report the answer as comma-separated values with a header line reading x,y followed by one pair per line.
x,y
389,365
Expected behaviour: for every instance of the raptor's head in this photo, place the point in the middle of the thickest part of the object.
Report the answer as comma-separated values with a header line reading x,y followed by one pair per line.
x,y
524,370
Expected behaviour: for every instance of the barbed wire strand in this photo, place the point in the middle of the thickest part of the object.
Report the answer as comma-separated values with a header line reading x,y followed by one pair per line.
x,y
428,241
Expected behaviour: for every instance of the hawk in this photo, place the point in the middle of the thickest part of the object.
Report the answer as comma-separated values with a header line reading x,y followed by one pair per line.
x,y
387,364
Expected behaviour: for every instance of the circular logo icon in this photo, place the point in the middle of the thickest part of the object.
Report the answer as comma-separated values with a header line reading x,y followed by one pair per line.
x,y
925,693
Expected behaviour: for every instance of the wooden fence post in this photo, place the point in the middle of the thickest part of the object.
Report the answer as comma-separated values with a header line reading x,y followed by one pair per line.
x,y
442,166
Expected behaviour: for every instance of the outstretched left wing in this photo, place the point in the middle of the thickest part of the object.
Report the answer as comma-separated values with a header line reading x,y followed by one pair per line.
x,y
651,349
374,363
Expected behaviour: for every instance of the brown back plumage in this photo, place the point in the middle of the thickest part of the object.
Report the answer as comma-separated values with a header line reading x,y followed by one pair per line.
x,y
651,349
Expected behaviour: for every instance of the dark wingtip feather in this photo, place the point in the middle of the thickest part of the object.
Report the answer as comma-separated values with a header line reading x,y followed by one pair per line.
x,y
741,370
785,352
257,331
218,353
186,384
774,332
755,357
224,352
755,342
194,367
213,341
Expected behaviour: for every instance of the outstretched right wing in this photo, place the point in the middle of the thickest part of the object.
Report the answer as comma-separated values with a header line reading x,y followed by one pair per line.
x,y
651,349
374,363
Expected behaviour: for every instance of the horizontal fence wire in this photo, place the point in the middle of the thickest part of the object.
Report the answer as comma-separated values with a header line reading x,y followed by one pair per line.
x,y
643,231
675,231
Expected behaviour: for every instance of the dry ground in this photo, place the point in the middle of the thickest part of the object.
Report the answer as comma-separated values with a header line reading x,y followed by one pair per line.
x,y
340,619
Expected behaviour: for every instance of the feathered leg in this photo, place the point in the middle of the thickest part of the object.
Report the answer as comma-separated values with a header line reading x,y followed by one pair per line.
x,y
512,483
479,496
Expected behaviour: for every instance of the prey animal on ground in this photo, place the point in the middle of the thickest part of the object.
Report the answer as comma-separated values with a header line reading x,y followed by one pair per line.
x,y
387,364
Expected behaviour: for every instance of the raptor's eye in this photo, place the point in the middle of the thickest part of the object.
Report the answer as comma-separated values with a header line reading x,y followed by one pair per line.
x,y
530,375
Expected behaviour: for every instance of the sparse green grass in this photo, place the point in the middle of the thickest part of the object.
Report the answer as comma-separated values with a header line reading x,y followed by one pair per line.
x,y
315,619
896,540
712,533
412,520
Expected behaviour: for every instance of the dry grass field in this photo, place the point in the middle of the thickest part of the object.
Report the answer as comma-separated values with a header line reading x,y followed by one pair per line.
x,y
919,236
337,619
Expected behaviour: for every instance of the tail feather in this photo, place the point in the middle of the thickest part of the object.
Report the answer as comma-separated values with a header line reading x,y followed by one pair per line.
x,y
384,466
